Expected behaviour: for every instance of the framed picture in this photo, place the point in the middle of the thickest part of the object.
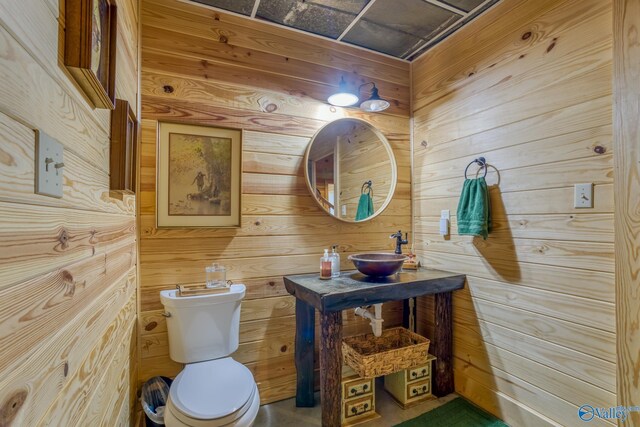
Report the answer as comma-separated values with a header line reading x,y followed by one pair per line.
x,y
90,35
198,177
124,141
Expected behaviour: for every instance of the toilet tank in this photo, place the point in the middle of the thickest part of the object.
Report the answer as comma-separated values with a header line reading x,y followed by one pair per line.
x,y
202,327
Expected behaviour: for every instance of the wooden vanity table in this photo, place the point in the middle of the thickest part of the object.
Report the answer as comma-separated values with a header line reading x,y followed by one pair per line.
x,y
353,289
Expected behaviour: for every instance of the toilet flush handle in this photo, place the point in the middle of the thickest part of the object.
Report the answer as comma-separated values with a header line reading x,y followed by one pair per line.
x,y
166,314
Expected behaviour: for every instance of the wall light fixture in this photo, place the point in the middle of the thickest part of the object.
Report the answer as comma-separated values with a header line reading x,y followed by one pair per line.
x,y
346,98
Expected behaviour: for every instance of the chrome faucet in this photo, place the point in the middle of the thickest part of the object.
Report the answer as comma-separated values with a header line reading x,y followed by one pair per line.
x,y
400,241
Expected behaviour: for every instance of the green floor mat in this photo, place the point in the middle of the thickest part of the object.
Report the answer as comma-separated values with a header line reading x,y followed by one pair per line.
x,y
457,413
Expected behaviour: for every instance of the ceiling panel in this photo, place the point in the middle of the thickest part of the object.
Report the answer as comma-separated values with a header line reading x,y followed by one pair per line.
x,y
324,17
244,7
466,5
382,39
399,27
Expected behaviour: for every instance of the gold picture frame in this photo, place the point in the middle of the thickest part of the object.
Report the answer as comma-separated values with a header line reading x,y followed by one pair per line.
x,y
90,35
199,174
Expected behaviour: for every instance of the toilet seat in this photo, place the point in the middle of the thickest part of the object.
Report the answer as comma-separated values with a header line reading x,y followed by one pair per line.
x,y
243,418
213,393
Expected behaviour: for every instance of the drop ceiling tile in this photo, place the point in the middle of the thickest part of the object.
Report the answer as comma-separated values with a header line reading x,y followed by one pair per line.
x,y
466,5
382,39
324,17
244,7
397,27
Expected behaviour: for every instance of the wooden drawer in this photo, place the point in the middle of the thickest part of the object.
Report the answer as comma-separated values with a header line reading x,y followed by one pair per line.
x,y
358,398
358,407
412,385
358,387
419,372
419,389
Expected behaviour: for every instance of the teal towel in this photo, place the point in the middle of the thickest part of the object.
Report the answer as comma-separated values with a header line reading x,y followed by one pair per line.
x,y
474,209
365,207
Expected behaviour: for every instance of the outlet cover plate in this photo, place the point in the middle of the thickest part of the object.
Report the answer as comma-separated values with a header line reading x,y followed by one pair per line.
x,y
49,179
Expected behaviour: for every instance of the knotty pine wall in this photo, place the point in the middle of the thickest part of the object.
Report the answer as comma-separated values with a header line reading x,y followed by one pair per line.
x,y
67,266
528,86
231,72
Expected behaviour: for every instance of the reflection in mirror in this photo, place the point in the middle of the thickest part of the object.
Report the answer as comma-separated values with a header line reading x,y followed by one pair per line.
x,y
350,170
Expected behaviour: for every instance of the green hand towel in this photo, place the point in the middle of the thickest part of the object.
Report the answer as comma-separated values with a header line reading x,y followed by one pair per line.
x,y
365,207
474,209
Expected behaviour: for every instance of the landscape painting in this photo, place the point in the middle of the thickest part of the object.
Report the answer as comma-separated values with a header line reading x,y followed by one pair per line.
x,y
198,176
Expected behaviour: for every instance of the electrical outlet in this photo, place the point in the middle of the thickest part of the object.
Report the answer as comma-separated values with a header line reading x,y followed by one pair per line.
x,y
49,166
583,196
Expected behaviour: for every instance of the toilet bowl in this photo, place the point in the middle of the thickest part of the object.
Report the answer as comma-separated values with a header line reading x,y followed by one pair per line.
x,y
216,393
213,390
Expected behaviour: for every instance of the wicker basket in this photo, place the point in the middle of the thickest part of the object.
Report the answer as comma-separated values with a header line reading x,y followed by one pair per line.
x,y
396,349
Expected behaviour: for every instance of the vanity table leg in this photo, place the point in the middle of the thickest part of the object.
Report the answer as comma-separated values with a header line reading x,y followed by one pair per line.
x,y
443,345
331,368
304,353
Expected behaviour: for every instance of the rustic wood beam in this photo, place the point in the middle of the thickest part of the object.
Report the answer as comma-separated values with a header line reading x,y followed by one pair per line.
x,y
305,336
331,368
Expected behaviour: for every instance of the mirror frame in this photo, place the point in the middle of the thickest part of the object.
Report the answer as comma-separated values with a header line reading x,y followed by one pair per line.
x,y
385,144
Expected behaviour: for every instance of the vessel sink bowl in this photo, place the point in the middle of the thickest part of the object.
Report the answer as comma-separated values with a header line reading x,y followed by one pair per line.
x,y
378,264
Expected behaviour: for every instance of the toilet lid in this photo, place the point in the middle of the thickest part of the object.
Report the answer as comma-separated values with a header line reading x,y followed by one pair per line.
x,y
212,389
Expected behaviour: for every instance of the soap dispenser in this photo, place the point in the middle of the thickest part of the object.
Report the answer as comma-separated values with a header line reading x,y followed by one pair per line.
x,y
335,262
325,265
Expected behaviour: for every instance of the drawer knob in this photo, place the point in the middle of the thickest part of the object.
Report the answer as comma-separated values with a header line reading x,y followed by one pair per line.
x,y
424,388
353,391
366,406
366,386
413,374
424,371
354,410
415,391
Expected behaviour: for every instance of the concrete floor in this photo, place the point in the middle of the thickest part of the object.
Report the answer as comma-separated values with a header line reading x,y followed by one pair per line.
x,y
285,413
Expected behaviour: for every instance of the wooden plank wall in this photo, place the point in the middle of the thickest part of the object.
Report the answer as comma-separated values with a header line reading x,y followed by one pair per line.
x,y
231,72
528,86
67,266
626,60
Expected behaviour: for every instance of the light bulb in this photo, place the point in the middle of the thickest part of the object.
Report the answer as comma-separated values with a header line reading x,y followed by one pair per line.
x,y
343,98
373,105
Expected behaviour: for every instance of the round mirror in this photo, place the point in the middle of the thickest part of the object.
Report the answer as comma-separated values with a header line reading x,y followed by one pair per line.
x,y
350,170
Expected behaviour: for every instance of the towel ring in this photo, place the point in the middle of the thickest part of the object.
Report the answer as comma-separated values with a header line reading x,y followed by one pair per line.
x,y
366,186
482,162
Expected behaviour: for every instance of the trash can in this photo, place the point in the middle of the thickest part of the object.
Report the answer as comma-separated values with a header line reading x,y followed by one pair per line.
x,y
154,396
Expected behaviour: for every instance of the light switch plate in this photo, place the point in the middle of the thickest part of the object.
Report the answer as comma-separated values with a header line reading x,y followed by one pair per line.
x,y
49,166
445,216
583,196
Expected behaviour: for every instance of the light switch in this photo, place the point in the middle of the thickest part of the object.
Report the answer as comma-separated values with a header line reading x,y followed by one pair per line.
x,y
445,215
49,166
583,196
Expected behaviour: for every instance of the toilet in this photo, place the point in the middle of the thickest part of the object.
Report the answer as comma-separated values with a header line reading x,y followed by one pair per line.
x,y
212,389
